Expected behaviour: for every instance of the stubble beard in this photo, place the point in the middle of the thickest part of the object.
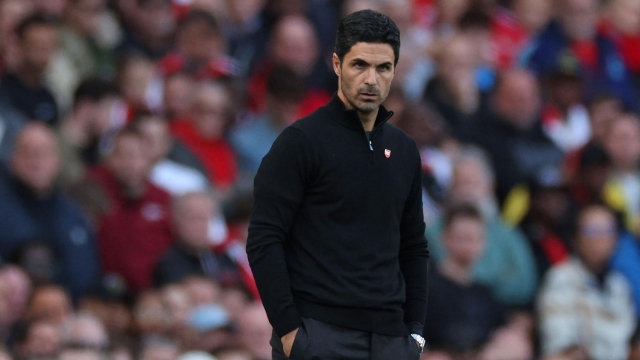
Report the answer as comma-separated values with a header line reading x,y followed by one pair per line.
x,y
363,107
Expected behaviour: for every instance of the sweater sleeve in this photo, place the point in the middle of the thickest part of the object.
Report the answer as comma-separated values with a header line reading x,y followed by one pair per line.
x,y
414,255
279,188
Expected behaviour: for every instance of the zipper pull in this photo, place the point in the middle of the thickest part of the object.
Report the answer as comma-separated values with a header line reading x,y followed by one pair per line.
x,y
370,146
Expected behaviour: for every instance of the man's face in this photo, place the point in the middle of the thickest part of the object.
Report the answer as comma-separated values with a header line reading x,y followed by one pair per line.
x,y
580,18
35,160
596,239
128,162
365,75
192,220
38,46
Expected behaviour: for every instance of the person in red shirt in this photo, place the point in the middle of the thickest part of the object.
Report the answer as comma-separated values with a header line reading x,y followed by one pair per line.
x,y
202,131
136,229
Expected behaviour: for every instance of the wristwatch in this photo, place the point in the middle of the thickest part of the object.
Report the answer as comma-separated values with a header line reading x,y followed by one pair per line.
x,y
420,340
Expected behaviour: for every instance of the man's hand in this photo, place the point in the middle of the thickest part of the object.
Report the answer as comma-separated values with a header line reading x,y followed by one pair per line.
x,y
287,342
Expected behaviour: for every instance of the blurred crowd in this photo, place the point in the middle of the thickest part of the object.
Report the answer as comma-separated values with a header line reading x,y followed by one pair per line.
x,y
130,132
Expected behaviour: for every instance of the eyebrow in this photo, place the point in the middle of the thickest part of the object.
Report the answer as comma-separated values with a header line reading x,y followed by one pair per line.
x,y
356,60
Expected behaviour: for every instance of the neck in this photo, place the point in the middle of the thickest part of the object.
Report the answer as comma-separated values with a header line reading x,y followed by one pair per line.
x,y
458,273
368,119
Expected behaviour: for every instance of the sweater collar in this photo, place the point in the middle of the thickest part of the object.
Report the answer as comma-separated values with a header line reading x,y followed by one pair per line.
x,y
349,117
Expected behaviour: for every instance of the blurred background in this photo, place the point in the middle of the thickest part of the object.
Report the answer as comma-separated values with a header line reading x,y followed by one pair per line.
x,y
130,132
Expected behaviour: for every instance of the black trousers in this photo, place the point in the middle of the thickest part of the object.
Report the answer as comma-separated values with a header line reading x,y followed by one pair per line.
x,y
317,340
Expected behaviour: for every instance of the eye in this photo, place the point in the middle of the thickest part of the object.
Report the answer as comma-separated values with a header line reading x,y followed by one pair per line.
x,y
358,65
384,67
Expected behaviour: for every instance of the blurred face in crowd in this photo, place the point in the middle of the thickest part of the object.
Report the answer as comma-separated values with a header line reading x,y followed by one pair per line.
x,y
177,302
235,301
129,163
565,91
137,80
450,11
579,18
84,15
365,74
155,19
602,114
42,339
37,47
209,111
255,332
155,131
80,354
471,182
85,331
178,94
464,240
193,212
11,13
294,44
534,14
150,315
159,351
596,237
351,6
623,143
244,10
19,289
456,64
35,160
517,99
201,290
199,41
50,303
50,7
625,15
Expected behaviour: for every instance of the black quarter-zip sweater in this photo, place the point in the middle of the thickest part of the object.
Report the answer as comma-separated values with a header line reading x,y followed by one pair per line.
x,y
337,231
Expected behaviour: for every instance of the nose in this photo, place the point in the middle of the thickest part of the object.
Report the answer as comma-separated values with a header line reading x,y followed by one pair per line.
x,y
370,76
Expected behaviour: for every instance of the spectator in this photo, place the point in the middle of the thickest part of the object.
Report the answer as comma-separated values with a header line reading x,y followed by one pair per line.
x,y
200,49
131,251
252,141
622,144
507,264
158,348
454,91
547,223
23,87
193,253
84,331
583,303
515,26
565,119
202,290
203,133
87,39
462,313
40,339
516,117
254,332
12,12
167,174
85,130
178,94
576,32
621,24
212,326
50,303
28,197
148,28
141,85
293,44
15,289
150,315
247,33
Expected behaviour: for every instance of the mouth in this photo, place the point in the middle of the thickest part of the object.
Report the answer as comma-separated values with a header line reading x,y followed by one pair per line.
x,y
369,95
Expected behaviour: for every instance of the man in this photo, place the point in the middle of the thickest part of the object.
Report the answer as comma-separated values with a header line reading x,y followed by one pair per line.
x,y
23,88
576,32
193,254
512,136
131,251
336,238
28,200
584,305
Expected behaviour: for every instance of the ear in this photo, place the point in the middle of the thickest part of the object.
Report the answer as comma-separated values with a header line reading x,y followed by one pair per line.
x,y
336,64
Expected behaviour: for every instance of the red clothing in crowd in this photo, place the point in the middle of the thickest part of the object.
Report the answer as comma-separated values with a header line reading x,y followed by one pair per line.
x,y
213,69
509,37
134,233
216,155
311,101
629,45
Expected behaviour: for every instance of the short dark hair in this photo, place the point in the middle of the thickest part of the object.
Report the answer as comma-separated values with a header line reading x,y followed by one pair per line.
x,y
367,26
36,19
94,89
462,210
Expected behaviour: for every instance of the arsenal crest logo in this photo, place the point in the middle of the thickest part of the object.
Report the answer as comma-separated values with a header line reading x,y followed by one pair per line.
x,y
387,153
